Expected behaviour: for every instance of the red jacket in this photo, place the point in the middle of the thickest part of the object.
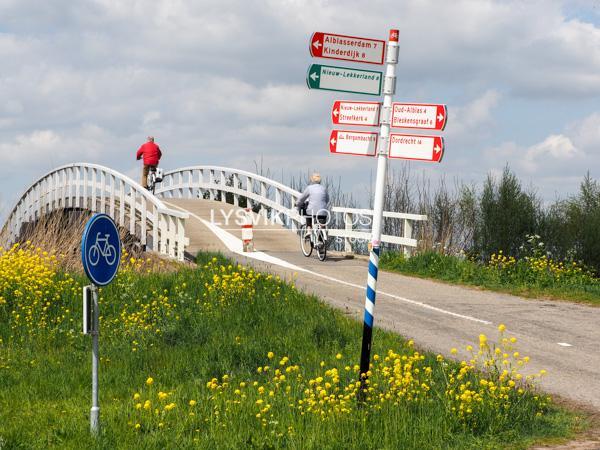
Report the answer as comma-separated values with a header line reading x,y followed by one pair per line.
x,y
151,153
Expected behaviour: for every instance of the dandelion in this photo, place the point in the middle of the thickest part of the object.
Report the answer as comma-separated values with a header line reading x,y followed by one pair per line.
x,y
149,381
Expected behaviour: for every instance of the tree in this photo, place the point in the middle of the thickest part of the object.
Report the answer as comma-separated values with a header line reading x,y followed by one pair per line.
x,y
507,214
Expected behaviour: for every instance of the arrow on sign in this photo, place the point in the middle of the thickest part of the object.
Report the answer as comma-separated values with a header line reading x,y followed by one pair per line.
x,y
347,48
355,113
423,116
419,148
353,142
344,79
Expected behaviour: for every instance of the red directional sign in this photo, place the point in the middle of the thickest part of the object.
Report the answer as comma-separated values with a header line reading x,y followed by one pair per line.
x,y
353,142
355,113
420,148
419,115
347,48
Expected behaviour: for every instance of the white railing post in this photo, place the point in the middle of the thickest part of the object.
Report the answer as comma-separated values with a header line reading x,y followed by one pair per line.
x,y
132,203
111,204
122,198
102,192
348,222
263,194
155,229
85,188
211,183
78,187
249,189
144,217
407,233
223,182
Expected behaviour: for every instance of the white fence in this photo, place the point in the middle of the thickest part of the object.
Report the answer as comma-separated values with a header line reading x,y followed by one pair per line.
x,y
277,201
100,189
356,228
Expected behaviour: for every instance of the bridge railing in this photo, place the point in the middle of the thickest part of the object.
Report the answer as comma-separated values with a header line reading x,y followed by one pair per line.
x,y
356,227
277,201
100,189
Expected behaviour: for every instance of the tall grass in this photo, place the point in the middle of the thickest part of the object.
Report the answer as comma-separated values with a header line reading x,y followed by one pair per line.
x,y
535,274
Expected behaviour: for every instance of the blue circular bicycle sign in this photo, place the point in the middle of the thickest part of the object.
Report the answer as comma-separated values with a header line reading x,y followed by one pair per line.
x,y
101,249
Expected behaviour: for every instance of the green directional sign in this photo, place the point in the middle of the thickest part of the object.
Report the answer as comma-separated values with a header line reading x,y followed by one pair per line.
x,y
343,79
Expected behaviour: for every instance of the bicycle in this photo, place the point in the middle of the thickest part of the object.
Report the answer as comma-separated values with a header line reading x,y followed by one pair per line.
x,y
108,251
314,237
154,176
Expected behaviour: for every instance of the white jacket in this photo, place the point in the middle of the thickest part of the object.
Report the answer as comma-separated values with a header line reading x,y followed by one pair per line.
x,y
316,197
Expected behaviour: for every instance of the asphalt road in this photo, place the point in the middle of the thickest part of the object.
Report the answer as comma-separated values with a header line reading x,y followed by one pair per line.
x,y
562,338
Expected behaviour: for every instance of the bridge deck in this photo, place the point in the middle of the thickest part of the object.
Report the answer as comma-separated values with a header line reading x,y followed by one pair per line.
x,y
268,237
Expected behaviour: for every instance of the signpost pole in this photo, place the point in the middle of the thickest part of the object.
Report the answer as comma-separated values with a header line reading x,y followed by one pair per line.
x,y
389,90
95,411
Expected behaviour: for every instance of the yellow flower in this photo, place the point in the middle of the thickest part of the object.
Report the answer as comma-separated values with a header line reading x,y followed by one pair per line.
x,y
136,396
453,351
482,340
147,404
338,356
192,402
501,328
149,381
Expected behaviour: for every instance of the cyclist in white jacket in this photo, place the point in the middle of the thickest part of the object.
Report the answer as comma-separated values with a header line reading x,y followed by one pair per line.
x,y
314,201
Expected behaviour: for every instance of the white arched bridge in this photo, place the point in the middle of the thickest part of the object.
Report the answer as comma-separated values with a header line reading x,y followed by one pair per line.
x,y
194,208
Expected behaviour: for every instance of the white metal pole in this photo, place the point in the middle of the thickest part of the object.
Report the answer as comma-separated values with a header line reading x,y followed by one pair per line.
x,y
389,88
95,411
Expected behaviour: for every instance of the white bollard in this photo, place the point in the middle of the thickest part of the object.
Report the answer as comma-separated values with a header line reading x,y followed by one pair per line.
x,y
247,232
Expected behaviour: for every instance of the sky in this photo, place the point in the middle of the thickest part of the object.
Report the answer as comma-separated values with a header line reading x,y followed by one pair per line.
x,y
223,83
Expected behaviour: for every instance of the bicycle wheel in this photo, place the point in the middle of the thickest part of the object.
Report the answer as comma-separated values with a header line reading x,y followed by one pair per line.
x,y
111,255
305,241
94,255
321,245
151,182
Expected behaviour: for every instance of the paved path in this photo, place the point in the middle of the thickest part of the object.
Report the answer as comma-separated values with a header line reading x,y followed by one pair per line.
x,y
561,337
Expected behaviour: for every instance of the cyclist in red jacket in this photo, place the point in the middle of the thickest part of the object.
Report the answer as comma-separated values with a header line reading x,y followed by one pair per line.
x,y
152,154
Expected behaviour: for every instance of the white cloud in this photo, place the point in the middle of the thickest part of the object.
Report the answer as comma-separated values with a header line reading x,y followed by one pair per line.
x,y
557,163
473,116
556,147
223,82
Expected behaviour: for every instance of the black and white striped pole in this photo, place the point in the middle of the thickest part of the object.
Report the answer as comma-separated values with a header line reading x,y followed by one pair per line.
x,y
389,88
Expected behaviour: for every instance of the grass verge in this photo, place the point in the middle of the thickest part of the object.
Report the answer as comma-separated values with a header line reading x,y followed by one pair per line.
x,y
223,357
533,278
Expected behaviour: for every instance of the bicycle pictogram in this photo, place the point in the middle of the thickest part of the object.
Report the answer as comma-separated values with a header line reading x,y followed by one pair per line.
x,y
102,248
